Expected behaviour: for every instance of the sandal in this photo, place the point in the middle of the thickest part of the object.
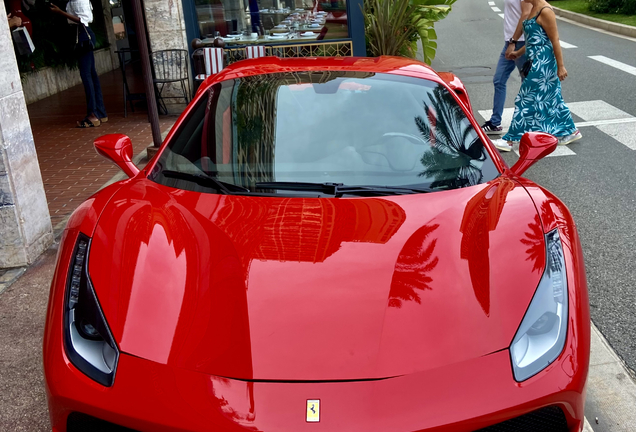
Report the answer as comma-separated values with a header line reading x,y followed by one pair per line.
x,y
86,123
104,120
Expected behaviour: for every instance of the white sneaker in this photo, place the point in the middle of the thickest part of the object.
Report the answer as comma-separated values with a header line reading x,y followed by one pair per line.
x,y
570,138
503,145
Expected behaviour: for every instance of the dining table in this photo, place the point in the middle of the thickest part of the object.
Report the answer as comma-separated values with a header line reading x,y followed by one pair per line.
x,y
285,36
292,25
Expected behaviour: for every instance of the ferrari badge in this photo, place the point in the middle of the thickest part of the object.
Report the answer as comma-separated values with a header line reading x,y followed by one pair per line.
x,y
313,410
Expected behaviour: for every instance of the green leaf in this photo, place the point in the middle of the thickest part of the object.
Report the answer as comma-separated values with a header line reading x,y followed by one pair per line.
x,y
393,27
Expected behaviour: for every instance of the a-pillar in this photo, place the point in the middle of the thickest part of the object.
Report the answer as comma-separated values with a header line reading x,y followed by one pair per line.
x,y
25,224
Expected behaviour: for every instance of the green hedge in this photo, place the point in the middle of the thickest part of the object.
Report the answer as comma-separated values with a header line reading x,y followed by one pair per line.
x,y
627,7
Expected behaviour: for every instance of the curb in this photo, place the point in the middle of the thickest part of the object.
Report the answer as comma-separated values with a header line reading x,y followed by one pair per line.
x,y
610,387
621,29
9,276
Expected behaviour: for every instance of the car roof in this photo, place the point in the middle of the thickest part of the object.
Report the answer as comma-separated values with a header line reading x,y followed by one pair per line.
x,y
267,65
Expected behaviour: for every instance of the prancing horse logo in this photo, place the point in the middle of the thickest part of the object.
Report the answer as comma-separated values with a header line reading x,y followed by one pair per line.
x,y
313,410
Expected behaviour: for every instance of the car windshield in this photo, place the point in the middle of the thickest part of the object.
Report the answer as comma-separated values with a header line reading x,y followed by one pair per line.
x,y
325,133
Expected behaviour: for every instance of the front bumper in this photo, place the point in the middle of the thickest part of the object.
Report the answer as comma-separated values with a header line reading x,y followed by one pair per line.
x,y
148,396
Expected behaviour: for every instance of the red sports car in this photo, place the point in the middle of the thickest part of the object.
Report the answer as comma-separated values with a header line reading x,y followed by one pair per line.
x,y
321,244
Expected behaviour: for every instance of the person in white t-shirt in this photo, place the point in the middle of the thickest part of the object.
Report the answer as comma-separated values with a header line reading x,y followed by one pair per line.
x,y
79,14
515,12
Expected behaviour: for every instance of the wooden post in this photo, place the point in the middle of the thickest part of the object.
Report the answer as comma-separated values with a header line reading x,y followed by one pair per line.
x,y
142,40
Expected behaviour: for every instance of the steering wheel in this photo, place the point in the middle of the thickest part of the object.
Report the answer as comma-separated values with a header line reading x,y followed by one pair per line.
x,y
413,138
397,155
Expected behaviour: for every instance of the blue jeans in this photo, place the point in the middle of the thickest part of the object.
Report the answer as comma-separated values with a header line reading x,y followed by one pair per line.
x,y
88,73
504,69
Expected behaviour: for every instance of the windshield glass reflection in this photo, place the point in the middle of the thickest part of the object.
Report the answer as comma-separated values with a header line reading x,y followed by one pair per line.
x,y
351,128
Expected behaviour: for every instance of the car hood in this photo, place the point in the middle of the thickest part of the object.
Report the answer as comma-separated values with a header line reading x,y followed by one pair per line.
x,y
266,288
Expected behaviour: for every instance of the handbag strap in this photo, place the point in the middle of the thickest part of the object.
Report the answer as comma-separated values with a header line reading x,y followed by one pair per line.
x,y
77,33
541,10
87,33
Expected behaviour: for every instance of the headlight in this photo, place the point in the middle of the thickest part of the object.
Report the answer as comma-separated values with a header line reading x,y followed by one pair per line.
x,y
541,335
88,341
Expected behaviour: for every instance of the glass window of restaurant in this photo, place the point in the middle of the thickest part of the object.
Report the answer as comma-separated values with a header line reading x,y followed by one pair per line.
x,y
272,20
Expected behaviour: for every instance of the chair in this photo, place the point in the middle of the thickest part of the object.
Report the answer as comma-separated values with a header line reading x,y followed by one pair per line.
x,y
170,66
126,59
206,62
323,33
254,51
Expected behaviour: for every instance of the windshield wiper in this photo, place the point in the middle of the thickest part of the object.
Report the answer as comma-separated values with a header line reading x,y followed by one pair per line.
x,y
205,180
338,189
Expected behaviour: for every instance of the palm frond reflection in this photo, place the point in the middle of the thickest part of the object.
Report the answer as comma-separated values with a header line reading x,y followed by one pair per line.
x,y
481,216
414,263
536,246
454,143
550,216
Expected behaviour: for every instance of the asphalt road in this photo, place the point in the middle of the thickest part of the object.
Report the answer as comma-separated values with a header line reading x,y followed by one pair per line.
x,y
596,176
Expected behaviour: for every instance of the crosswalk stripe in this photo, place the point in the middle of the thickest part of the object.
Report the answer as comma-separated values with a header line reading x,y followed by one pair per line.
x,y
610,120
559,151
495,8
566,45
501,15
606,122
562,151
506,117
623,133
614,63
491,3
595,110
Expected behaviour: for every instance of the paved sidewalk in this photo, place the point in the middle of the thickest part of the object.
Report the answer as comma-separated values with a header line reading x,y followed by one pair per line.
x,y
23,406
71,169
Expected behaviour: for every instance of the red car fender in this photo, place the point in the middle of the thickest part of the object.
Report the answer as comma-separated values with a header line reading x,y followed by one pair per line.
x,y
83,219
553,214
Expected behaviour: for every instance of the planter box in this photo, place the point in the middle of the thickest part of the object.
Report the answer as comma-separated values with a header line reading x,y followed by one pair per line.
x,y
48,81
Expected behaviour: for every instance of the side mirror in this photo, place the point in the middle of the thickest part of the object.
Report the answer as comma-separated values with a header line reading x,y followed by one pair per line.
x,y
533,146
117,148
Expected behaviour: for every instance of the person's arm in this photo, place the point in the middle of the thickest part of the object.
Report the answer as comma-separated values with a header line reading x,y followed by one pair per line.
x,y
57,10
14,21
548,22
526,8
516,54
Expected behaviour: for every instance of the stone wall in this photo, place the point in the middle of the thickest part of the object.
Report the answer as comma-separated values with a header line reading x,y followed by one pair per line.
x,y
25,225
165,24
48,81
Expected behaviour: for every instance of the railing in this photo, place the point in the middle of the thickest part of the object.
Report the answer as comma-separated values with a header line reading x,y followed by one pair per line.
x,y
311,49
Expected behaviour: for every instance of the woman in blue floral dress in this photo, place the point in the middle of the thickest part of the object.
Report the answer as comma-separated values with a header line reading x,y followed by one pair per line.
x,y
539,106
